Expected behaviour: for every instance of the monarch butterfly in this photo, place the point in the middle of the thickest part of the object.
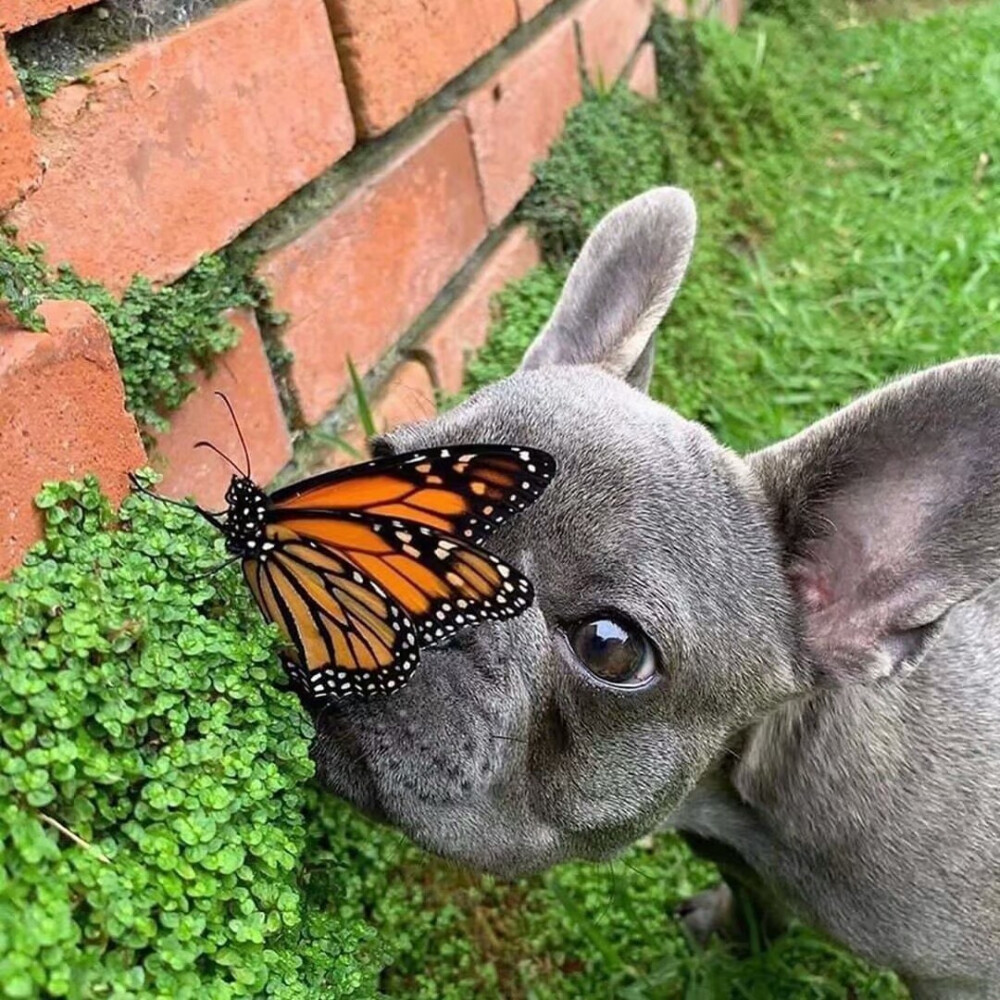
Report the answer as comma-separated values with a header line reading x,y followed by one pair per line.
x,y
361,566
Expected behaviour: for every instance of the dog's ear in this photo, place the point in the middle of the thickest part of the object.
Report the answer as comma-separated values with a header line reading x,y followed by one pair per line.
x,y
620,288
889,514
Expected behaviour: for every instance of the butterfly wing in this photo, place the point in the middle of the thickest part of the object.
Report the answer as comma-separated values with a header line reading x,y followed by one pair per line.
x,y
439,582
462,491
347,635
362,565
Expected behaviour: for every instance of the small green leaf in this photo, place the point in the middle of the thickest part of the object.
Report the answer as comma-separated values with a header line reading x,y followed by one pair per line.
x,y
365,417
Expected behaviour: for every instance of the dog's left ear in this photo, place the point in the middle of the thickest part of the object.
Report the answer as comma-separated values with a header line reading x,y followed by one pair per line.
x,y
888,513
620,288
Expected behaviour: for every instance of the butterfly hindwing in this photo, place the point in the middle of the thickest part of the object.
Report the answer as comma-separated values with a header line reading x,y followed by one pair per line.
x,y
464,492
348,635
439,582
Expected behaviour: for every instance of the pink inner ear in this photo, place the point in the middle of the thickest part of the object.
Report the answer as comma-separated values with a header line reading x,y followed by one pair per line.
x,y
836,628
847,607
811,586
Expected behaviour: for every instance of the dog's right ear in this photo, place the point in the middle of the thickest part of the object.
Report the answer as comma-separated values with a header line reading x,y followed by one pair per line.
x,y
620,288
888,513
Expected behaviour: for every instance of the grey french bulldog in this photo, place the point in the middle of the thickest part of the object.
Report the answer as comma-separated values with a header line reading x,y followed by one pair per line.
x,y
792,657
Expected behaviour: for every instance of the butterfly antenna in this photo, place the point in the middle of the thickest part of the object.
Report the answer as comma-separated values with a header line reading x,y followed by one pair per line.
x,y
221,454
239,433
136,485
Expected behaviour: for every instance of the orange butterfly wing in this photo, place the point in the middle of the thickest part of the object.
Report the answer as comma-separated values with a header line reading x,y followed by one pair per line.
x,y
440,583
460,491
361,566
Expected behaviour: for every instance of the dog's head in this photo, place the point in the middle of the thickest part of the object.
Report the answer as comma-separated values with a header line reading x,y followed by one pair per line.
x,y
681,592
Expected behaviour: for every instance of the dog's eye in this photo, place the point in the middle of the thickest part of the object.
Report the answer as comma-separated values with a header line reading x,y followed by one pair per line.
x,y
613,650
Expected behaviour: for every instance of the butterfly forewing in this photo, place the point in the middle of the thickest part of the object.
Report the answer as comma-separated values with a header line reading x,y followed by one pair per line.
x,y
464,492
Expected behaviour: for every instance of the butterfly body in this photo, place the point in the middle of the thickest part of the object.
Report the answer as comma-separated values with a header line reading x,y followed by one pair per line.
x,y
244,528
360,567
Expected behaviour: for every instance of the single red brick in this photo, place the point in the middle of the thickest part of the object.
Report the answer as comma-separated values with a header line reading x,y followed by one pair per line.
x,y
396,53
642,75
178,144
244,375
357,279
511,127
19,168
62,416
17,14
610,31
463,329
530,8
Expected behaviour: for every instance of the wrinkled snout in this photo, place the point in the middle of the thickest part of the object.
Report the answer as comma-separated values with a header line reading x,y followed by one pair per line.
x,y
444,759
424,745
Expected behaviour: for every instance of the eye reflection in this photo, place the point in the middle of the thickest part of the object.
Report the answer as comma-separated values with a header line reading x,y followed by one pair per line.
x,y
613,650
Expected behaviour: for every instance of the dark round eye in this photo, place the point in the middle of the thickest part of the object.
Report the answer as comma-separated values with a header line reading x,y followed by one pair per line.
x,y
613,650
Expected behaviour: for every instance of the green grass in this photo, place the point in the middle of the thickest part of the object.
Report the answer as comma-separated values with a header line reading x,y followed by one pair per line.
x,y
848,234
880,249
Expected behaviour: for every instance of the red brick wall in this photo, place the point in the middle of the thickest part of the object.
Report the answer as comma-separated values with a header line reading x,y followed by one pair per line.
x,y
176,146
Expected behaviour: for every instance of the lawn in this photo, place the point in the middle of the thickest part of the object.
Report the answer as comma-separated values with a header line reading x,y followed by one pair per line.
x,y
844,163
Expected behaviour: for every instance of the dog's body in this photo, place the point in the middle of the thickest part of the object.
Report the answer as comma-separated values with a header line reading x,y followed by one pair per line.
x,y
825,704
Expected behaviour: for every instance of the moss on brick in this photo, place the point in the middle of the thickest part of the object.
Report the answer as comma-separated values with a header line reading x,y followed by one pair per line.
x,y
585,175
523,308
36,84
63,47
161,336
